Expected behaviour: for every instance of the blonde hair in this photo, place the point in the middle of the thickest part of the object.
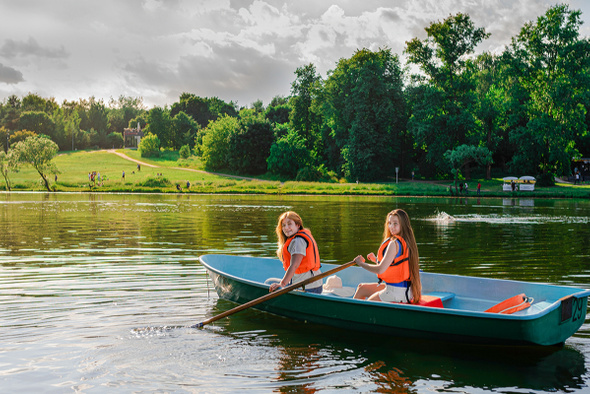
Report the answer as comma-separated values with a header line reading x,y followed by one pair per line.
x,y
282,238
407,233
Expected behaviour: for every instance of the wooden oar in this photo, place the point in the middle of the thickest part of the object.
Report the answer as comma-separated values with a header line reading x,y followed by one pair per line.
x,y
274,294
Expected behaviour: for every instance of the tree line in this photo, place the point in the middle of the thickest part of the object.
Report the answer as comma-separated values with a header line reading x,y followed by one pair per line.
x,y
446,113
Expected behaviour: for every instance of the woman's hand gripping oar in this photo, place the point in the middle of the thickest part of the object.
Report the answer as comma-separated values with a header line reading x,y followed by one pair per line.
x,y
274,294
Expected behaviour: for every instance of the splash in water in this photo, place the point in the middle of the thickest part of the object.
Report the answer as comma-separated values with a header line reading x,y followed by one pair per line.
x,y
443,217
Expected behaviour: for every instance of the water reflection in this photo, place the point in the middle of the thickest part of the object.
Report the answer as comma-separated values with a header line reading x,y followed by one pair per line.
x,y
404,364
96,291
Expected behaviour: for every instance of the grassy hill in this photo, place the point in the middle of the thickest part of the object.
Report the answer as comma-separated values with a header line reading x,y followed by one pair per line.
x,y
170,172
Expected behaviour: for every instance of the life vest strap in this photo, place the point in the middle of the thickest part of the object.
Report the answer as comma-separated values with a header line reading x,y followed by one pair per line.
x,y
399,262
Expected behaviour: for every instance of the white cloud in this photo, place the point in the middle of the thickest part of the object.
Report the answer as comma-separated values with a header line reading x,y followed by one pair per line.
x,y
240,50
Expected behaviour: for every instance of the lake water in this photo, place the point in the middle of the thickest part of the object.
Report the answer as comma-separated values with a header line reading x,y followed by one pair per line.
x,y
97,291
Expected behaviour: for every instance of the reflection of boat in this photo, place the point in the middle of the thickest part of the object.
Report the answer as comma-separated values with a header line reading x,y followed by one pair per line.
x,y
546,369
556,313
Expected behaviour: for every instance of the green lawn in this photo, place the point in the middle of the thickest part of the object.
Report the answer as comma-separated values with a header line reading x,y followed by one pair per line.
x,y
171,170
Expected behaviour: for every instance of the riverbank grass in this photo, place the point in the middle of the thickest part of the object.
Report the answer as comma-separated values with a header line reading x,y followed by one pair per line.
x,y
170,174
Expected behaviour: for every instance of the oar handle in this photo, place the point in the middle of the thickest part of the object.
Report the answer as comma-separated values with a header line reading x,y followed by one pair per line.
x,y
274,294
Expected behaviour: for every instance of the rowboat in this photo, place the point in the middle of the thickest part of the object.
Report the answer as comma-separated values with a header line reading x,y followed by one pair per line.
x,y
462,310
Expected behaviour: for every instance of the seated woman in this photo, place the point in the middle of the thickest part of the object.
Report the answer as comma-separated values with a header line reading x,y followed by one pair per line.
x,y
299,253
396,264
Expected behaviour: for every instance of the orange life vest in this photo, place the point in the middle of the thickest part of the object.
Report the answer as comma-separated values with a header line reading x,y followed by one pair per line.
x,y
311,260
399,270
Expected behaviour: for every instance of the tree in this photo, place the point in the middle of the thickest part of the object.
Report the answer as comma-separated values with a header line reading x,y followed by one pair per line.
x,y
442,109
216,142
122,110
304,119
159,123
460,158
149,146
250,144
551,63
37,121
365,108
185,151
8,163
38,151
288,155
202,110
185,128
20,135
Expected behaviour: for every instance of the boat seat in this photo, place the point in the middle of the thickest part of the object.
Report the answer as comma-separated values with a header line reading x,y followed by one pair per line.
x,y
442,295
435,299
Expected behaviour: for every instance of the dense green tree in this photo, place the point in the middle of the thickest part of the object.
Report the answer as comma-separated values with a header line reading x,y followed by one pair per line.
x,y
159,123
304,119
185,129
8,164
10,113
37,121
34,102
364,105
460,158
551,63
288,155
149,146
249,145
38,151
19,136
202,110
278,113
443,100
216,139
122,110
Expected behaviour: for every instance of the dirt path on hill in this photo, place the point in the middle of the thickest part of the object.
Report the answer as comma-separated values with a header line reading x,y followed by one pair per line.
x,y
124,156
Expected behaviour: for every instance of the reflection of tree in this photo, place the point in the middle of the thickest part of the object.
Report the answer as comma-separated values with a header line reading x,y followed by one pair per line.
x,y
297,362
391,381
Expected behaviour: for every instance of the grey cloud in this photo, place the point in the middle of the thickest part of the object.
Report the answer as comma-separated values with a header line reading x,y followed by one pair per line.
x,y
9,75
31,47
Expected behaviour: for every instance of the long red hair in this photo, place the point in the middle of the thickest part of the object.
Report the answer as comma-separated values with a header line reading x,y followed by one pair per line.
x,y
282,238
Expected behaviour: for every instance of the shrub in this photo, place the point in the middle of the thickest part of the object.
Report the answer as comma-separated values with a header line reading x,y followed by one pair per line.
x,y
185,152
156,182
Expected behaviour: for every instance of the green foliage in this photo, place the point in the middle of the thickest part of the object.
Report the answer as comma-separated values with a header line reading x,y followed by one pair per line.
x,y
462,156
149,146
115,140
249,145
443,101
365,108
160,125
551,64
38,151
185,129
156,181
216,142
185,152
288,155
202,110
8,163
304,118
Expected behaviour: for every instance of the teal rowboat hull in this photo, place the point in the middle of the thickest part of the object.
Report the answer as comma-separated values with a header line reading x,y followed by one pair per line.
x,y
555,315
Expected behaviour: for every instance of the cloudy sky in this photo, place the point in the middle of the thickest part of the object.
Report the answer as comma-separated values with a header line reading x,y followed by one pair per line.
x,y
237,50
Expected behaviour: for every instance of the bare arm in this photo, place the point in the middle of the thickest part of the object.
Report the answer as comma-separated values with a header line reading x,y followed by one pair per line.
x,y
381,267
295,262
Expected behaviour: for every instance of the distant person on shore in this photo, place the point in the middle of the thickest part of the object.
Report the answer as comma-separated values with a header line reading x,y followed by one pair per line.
x,y
298,251
123,176
396,264
478,188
